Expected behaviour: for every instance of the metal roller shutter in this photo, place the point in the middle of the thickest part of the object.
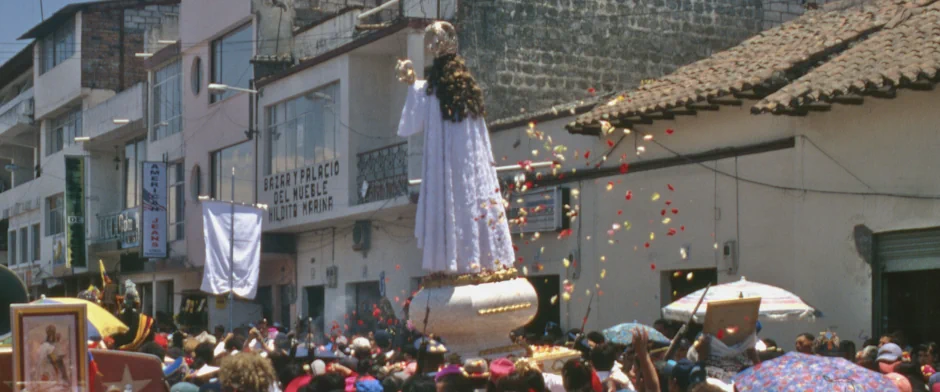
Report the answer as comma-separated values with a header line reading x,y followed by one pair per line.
x,y
908,250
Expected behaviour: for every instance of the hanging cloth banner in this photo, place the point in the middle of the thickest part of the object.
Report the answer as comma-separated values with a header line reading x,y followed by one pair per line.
x,y
217,230
154,210
75,212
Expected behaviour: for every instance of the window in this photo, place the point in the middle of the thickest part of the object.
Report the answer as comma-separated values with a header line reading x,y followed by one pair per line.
x,y
11,250
24,245
302,130
167,101
36,238
58,46
240,158
63,130
177,202
195,75
55,215
231,61
134,155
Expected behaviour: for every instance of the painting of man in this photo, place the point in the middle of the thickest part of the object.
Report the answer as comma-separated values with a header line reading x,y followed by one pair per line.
x,y
50,348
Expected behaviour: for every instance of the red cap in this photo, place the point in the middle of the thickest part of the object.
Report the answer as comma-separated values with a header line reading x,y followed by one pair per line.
x,y
160,339
500,368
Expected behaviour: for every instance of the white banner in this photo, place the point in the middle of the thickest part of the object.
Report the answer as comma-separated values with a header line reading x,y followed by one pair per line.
x,y
154,210
218,274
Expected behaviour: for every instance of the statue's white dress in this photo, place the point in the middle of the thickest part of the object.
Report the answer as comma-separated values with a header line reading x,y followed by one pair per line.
x,y
461,223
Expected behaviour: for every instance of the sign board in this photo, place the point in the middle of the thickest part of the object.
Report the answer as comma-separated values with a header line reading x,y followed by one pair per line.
x,y
75,211
154,210
732,321
301,195
544,210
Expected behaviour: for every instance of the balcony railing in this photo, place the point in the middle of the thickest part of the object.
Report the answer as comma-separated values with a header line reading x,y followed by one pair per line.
x,y
17,113
125,107
383,173
123,226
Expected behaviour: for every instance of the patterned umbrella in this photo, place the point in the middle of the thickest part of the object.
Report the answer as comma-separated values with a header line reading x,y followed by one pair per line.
x,y
623,333
776,303
100,322
810,373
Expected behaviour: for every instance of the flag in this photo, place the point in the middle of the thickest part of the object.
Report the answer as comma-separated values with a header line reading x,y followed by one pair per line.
x,y
217,231
105,280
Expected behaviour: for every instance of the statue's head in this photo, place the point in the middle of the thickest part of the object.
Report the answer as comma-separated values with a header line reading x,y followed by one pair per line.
x,y
441,38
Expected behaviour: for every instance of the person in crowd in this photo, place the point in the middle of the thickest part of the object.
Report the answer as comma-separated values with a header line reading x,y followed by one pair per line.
x,y
247,372
578,376
804,343
603,358
889,358
219,333
418,383
927,354
154,349
868,358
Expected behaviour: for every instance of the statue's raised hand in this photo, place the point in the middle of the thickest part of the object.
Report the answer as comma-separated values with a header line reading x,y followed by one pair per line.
x,y
405,71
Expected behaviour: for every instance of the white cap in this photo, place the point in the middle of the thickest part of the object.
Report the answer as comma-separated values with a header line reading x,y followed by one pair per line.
x,y
318,367
361,344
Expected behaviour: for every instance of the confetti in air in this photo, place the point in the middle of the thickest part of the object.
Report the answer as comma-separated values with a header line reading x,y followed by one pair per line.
x,y
648,137
566,262
554,299
603,273
629,195
666,220
683,253
624,168
670,187
655,196
610,186
670,131
640,150
603,259
566,296
690,276
653,266
652,236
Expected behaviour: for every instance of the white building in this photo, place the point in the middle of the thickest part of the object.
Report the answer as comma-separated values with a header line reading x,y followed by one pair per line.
x,y
831,197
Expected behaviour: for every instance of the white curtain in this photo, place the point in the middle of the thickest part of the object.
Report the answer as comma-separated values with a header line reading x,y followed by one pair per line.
x,y
217,226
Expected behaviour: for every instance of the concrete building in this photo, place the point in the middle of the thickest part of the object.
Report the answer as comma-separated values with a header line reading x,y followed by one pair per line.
x,y
87,99
828,192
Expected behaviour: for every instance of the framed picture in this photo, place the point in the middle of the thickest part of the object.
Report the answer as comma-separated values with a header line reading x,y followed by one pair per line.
x,y
50,351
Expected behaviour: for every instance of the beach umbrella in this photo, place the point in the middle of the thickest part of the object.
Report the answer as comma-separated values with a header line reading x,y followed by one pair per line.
x,y
623,334
776,303
800,372
99,321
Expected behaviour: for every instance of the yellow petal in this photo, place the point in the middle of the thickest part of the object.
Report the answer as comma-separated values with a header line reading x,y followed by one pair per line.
x,y
652,236
666,220
566,296
603,273
655,196
566,262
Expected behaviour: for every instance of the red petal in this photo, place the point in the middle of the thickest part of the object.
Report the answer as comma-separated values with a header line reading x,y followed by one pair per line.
x,y
653,266
610,143
397,267
668,202
682,228
670,131
528,184
646,245
619,212
587,154
591,90
624,167
675,210
629,195
515,248
670,187
663,212
671,232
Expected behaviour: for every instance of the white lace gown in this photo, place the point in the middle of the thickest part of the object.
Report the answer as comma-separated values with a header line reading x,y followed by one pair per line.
x,y
461,224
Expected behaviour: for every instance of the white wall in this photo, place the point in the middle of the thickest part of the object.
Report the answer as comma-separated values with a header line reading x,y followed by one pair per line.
x,y
394,251
801,241
62,84
201,20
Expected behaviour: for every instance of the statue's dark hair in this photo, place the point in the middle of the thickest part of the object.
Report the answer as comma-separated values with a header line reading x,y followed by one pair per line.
x,y
460,95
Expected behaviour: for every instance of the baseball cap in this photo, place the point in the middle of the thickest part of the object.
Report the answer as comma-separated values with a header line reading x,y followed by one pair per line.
x,y
889,353
687,373
501,367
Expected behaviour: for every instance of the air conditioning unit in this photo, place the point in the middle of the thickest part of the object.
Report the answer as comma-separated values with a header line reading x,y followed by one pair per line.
x,y
331,276
362,233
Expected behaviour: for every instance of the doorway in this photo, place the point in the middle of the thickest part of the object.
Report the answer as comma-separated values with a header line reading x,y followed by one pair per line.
x,y
680,283
547,287
905,269
362,297
315,300
265,298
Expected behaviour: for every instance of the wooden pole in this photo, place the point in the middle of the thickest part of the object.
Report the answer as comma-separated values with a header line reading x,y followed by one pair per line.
x,y
674,346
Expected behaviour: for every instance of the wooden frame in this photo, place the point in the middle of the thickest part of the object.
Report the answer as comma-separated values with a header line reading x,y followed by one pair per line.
x,y
57,331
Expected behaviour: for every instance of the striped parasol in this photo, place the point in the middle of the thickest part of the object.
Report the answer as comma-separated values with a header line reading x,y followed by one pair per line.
x,y
776,304
99,322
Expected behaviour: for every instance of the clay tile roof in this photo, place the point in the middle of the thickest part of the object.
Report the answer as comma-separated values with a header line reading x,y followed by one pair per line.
x,y
907,50
768,59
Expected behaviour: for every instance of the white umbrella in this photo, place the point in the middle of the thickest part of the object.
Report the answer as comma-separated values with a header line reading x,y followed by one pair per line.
x,y
776,304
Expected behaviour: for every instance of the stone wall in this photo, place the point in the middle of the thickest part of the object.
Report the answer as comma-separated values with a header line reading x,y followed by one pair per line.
x,y
108,62
531,55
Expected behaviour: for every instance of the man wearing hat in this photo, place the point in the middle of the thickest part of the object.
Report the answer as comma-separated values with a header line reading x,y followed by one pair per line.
x,y
889,357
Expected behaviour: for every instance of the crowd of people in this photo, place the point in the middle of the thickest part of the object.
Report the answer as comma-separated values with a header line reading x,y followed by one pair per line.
x,y
263,358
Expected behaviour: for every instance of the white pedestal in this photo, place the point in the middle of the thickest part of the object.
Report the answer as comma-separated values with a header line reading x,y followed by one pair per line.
x,y
475,320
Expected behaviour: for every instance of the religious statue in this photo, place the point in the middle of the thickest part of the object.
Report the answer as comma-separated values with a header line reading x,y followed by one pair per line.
x,y
139,325
472,295
461,221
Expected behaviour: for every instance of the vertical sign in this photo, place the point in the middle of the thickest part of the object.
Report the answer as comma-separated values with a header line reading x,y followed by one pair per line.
x,y
154,210
75,211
